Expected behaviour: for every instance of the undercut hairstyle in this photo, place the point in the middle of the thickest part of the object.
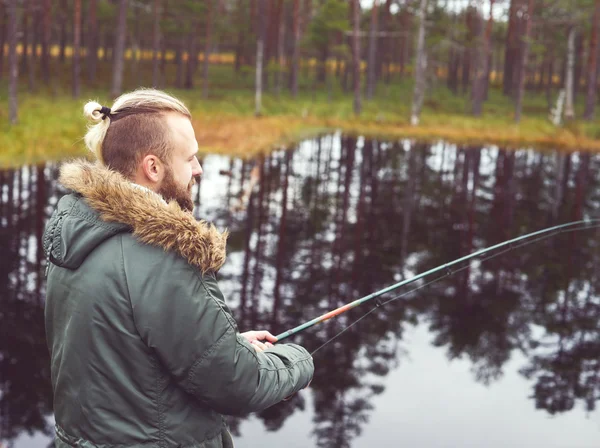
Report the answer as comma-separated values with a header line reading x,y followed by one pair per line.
x,y
121,136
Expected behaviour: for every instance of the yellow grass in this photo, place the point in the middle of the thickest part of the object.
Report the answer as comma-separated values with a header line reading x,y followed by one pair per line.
x,y
247,137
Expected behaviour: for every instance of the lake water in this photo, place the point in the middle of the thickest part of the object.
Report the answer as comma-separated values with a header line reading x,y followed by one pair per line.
x,y
504,353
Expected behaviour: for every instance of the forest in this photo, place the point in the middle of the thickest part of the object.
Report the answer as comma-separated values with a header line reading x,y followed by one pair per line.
x,y
258,73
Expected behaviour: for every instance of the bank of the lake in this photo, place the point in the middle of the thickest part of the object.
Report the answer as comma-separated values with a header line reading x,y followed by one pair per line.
x,y
51,125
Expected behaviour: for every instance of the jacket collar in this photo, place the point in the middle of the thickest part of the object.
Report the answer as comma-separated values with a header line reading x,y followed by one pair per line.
x,y
152,220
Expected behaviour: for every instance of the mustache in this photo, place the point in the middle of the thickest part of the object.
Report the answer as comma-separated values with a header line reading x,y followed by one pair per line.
x,y
195,180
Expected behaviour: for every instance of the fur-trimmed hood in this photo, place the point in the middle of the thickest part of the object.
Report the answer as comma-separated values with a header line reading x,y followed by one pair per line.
x,y
152,220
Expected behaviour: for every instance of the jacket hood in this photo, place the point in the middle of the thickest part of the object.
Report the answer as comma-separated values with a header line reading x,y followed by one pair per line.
x,y
105,203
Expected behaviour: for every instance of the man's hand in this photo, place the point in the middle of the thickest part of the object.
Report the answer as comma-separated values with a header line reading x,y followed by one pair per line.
x,y
256,337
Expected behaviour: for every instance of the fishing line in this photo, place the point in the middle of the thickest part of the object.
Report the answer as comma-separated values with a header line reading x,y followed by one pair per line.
x,y
450,272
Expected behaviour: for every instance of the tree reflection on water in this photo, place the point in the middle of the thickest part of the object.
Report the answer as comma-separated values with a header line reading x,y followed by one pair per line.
x,y
335,219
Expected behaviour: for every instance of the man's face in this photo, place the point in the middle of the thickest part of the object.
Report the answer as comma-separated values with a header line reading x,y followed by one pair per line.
x,y
184,166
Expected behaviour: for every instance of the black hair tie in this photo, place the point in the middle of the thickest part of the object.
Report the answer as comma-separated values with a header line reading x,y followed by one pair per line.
x,y
105,111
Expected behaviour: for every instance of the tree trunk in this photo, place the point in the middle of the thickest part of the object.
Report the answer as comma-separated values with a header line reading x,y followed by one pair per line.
x,y
134,48
542,81
162,78
259,58
249,47
482,59
155,42
346,75
420,69
322,67
453,65
76,46
488,74
63,30
305,17
275,10
510,49
466,68
179,62
27,62
550,81
31,60
382,56
356,55
280,51
520,27
13,63
578,65
92,40
46,29
119,50
27,10
3,22
239,46
523,64
372,57
207,44
35,33
569,110
268,12
405,40
192,57
296,48
592,65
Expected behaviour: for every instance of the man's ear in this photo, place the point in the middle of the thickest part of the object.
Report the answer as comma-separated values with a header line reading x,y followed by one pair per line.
x,y
153,168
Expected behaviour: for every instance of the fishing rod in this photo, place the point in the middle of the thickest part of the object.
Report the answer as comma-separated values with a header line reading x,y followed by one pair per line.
x,y
547,233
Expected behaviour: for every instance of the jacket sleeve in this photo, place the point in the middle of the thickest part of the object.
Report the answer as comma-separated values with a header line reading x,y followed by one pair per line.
x,y
182,316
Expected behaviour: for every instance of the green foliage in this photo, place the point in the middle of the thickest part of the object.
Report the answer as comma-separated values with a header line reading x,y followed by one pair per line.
x,y
330,19
555,18
107,11
181,17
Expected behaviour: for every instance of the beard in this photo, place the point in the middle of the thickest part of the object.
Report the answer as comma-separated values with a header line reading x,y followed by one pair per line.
x,y
170,190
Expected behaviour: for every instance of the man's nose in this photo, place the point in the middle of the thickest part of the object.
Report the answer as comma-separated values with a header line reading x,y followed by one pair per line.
x,y
197,169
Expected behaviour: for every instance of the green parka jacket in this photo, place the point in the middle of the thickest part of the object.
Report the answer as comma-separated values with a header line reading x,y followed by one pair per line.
x,y
144,350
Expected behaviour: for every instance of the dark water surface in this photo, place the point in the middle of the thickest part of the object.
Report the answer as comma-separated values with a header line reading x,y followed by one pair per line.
x,y
505,353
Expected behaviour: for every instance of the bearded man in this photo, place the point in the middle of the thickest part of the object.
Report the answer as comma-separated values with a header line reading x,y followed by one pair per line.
x,y
144,350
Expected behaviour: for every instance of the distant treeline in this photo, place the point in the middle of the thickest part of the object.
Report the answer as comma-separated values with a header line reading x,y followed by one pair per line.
x,y
520,45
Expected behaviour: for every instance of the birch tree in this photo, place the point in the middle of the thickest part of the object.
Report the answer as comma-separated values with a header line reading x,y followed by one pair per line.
x,y
569,109
420,68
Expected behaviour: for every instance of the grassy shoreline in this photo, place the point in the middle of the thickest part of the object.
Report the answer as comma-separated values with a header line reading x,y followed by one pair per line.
x,y
51,125
221,135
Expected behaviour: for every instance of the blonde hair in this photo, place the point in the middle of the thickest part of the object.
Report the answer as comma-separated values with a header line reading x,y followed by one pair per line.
x,y
133,128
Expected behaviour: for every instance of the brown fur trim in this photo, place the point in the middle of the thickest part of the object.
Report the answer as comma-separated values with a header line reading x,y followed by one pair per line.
x,y
153,221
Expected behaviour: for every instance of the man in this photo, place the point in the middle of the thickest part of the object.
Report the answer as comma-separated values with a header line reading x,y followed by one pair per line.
x,y
144,350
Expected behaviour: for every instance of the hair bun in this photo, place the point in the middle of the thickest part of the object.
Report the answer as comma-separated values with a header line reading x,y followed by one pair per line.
x,y
91,111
